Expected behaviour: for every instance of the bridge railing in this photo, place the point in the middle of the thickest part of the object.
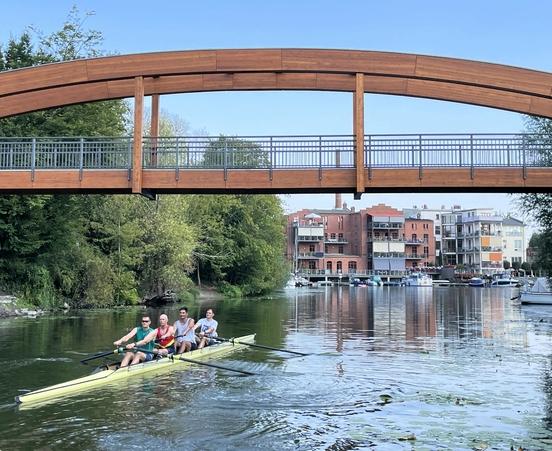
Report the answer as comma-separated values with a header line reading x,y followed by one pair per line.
x,y
486,150
65,153
279,152
254,152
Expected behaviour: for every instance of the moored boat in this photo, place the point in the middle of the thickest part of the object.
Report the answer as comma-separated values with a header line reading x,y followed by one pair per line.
x,y
418,279
539,293
111,373
476,282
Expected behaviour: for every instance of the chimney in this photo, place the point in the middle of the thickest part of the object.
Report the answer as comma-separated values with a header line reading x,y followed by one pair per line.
x,y
338,205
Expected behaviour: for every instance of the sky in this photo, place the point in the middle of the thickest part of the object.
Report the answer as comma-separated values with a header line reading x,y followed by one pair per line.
x,y
506,32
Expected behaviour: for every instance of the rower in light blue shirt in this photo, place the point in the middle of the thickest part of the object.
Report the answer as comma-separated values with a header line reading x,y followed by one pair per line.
x,y
208,329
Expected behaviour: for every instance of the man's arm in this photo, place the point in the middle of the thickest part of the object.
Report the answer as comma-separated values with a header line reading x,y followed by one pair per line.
x,y
127,337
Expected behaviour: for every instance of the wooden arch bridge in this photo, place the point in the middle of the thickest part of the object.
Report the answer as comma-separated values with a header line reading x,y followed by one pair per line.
x,y
355,163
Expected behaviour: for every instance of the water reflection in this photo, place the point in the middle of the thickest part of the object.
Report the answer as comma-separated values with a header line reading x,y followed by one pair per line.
x,y
454,366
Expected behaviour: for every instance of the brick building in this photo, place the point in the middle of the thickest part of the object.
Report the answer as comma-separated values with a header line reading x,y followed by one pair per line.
x,y
345,241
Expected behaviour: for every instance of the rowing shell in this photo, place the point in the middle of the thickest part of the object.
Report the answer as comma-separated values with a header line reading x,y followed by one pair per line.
x,y
111,373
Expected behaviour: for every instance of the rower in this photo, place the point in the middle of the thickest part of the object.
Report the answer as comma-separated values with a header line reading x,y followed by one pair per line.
x,y
208,329
184,331
162,337
140,333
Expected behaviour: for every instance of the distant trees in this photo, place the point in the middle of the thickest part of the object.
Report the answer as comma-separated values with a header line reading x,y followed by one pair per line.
x,y
105,250
539,205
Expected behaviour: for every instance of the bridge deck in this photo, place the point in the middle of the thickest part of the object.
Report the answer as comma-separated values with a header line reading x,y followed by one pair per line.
x,y
393,163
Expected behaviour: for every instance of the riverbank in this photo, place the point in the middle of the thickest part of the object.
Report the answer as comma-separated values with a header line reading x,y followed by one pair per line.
x,y
10,307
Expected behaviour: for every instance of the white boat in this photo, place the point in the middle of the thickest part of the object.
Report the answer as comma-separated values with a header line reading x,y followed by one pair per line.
x,y
539,293
476,282
503,282
418,279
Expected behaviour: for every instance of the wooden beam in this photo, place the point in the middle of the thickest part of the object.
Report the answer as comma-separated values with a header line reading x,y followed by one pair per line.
x,y
358,131
138,132
154,128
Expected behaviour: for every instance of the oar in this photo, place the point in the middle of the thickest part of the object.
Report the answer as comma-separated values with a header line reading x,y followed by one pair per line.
x,y
212,365
103,354
232,340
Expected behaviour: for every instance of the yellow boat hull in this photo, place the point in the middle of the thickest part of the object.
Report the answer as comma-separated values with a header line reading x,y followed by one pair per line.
x,y
108,375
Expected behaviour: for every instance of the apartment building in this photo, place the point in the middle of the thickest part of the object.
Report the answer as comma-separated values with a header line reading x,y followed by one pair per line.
x,y
420,243
326,241
479,240
514,245
385,238
345,241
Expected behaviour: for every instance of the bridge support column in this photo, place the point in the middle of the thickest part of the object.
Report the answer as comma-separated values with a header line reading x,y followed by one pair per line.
x,y
138,132
358,132
154,129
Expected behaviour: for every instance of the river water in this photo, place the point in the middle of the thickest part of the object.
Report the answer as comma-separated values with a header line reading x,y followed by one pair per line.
x,y
391,368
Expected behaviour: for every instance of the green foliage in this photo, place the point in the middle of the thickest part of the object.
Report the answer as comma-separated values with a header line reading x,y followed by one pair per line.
x,y
234,153
539,205
241,241
112,250
526,266
516,266
506,264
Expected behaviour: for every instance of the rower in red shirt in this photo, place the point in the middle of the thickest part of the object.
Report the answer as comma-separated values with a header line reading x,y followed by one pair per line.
x,y
163,336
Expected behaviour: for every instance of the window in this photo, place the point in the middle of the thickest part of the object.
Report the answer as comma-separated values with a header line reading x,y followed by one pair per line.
x,y
340,237
339,266
312,264
329,266
517,245
332,236
352,266
327,249
414,237
437,216
340,249
437,230
426,237
426,251
311,247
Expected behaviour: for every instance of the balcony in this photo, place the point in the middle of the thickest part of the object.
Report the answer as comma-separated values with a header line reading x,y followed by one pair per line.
x,y
310,255
386,255
310,238
385,239
336,241
416,256
385,225
414,241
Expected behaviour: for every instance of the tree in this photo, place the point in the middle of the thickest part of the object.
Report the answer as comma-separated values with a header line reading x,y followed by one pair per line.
x,y
235,153
539,205
516,265
241,241
506,264
526,267
44,249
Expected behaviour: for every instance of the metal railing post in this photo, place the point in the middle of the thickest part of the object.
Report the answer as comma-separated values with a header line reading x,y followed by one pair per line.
x,y
11,157
271,159
460,155
471,157
369,157
33,159
177,159
130,163
225,161
81,158
420,173
524,162
320,158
